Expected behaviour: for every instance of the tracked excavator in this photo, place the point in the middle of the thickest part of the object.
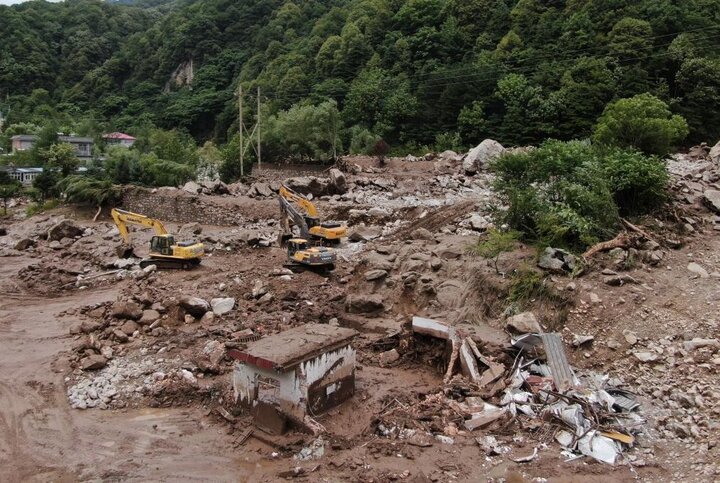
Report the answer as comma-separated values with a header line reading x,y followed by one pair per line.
x,y
165,252
302,256
297,210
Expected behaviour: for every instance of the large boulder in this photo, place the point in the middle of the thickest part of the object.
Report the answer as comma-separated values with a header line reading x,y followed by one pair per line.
x,y
309,185
365,304
338,181
93,362
127,310
195,306
479,156
712,200
65,229
221,306
260,189
24,244
524,323
715,153
149,316
192,187
193,228
365,233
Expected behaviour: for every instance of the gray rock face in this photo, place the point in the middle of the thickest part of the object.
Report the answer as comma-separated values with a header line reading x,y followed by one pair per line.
x,y
557,260
64,229
712,200
479,156
127,310
524,323
338,181
221,306
93,362
365,304
195,306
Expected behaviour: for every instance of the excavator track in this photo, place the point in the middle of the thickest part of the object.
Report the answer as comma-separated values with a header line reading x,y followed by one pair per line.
x,y
323,270
170,264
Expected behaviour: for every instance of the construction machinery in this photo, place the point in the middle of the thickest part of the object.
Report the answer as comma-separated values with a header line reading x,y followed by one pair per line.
x,y
165,252
303,256
298,210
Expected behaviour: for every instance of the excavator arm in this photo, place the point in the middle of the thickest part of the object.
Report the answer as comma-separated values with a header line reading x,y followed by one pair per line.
x,y
289,212
124,218
303,202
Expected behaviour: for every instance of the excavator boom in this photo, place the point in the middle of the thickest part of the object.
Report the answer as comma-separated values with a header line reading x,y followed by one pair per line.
x,y
304,214
124,218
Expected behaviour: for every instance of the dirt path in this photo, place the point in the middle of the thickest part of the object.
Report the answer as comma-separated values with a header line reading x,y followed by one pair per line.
x,y
42,439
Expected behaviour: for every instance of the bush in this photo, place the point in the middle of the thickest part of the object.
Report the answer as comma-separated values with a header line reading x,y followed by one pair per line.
x,y
496,243
571,193
642,122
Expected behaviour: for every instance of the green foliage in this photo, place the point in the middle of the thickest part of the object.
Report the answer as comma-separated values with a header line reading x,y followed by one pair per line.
x,y
643,122
61,156
516,71
304,132
45,183
8,189
528,287
496,243
39,207
570,194
84,189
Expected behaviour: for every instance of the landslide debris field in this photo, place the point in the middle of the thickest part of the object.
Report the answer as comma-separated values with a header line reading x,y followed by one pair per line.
x,y
111,372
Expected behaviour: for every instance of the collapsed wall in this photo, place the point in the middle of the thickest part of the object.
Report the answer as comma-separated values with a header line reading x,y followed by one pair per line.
x,y
174,205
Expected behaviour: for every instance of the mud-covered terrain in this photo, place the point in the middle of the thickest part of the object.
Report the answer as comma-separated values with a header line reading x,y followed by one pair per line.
x,y
111,372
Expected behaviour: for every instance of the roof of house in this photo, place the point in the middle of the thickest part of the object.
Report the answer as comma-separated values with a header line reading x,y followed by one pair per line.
x,y
75,139
23,137
118,135
289,348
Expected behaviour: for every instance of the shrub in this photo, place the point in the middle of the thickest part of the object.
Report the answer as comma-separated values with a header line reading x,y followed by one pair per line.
x,y
642,122
496,243
572,193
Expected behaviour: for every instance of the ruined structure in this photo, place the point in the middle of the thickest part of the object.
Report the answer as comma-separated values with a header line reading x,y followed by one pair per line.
x,y
287,376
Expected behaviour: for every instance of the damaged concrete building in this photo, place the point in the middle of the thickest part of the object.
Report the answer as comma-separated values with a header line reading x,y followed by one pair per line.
x,y
286,377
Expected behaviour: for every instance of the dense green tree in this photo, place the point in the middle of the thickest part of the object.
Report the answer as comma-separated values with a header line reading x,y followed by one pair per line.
x,y
643,122
62,157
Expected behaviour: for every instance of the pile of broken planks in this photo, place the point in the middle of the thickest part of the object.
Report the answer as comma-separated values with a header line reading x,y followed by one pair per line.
x,y
587,417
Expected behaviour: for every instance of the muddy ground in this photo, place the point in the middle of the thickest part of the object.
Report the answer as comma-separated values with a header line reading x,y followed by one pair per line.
x,y
59,300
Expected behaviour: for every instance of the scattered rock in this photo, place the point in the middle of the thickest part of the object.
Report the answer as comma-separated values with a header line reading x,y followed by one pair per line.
x,y
698,270
365,233
422,234
129,327
93,362
557,260
126,310
192,227
192,187
64,229
580,340
630,337
195,305
714,154
698,343
149,316
221,306
619,280
524,323
371,275
24,244
365,304
389,357
645,356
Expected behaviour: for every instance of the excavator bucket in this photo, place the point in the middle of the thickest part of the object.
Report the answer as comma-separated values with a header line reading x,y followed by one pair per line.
x,y
124,251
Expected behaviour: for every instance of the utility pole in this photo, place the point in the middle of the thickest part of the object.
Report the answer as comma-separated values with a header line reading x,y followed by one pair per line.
x,y
252,140
241,127
258,127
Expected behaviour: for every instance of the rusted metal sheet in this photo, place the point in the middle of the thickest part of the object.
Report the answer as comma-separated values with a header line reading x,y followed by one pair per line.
x,y
557,360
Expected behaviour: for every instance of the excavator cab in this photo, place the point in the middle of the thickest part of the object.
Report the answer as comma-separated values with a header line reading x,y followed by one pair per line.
x,y
162,244
295,245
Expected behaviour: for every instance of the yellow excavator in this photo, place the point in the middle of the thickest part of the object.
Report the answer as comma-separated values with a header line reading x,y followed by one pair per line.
x,y
304,215
302,256
164,251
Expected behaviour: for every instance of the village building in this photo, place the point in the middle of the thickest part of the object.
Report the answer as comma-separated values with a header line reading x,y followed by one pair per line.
x,y
119,139
83,145
286,377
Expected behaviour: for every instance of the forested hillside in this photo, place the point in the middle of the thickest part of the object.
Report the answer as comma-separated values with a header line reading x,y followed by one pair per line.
x,y
416,73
